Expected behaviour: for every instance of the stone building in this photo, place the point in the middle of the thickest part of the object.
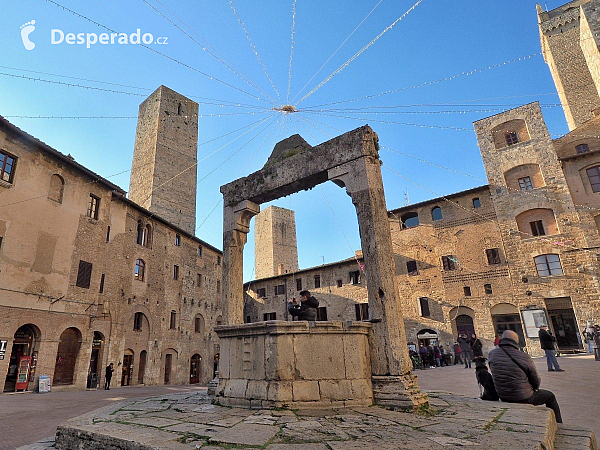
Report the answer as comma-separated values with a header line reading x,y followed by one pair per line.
x,y
522,250
89,276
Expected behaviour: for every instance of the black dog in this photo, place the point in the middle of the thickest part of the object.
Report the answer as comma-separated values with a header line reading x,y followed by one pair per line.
x,y
484,378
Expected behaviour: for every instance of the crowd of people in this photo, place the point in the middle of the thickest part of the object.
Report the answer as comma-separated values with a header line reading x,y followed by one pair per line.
x,y
591,337
432,355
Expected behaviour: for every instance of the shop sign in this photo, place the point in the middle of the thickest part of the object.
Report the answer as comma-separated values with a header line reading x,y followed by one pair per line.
x,y
427,336
533,319
2,349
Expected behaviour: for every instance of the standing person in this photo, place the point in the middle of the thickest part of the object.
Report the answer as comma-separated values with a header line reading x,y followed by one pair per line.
x,y
430,356
307,309
437,355
424,357
443,355
465,346
108,375
596,342
547,342
497,340
588,336
457,354
515,377
477,346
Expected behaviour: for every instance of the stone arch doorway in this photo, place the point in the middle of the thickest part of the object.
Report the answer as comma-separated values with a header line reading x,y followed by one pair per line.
x,y
427,337
25,344
170,366
195,368
462,319
142,367
66,357
95,360
506,317
127,370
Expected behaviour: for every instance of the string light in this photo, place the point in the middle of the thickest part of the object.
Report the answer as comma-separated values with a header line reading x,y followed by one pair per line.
x,y
291,53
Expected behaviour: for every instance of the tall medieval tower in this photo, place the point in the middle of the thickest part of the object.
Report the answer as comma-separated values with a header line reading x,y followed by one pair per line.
x,y
275,247
163,170
570,37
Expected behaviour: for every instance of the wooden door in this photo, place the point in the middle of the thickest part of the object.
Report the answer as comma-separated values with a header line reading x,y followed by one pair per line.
x,y
127,369
142,367
168,364
195,369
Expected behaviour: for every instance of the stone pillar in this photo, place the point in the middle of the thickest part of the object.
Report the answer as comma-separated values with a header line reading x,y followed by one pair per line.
x,y
236,224
393,381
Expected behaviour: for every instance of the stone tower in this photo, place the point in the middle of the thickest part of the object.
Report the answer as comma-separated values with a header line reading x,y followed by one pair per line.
x,y
275,247
570,36
163,170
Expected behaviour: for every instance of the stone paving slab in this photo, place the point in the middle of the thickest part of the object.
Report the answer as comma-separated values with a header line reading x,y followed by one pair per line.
x,y
189,420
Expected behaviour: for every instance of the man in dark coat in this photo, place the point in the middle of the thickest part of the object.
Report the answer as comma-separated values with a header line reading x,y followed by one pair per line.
x,y
515,376
307,309
108,375
457,354
465,346
477,346
547,342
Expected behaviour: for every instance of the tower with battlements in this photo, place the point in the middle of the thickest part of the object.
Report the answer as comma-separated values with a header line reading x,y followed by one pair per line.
x,y
275,247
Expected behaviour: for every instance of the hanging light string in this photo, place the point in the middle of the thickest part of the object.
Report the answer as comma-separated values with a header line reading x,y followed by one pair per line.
x,y
133,117
357,54
366,114
262,64
428,83
337,50
291,53
161,54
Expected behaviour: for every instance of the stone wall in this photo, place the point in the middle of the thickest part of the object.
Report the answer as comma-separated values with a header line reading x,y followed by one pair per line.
x,y
276,250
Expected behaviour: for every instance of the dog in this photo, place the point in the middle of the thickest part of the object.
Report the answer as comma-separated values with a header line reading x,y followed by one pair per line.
x,y
484,378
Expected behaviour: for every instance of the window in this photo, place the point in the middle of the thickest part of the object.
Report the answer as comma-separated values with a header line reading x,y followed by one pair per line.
x,y
84,274
298,284
7,167
198,324
488,289
411,267
140,267
582,148
179,109
511,138
108,234
262,292
339,283
436,213
322,313
141,233
317,281
172,320
102,284
218,286
410,220
594,176
177,240
467,291
218,260
355,277
269,316
200,251
537,228
424,304
93,206
525,184
199,280
57,185
279,289
1,237
176,272
448,262
362,311
137,321
476,203
493,256
548,265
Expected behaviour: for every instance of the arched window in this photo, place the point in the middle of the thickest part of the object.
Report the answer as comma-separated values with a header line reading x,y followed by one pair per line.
x,y
436,213
173,320
536,222
140,233
140,267
524,177
199,324
148,237
179,109
57,186
510,133
410,220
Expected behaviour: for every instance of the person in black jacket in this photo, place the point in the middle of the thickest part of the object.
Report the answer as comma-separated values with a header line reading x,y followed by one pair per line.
x,y
547,342
108,375
467,351
307,309
477,346
515,376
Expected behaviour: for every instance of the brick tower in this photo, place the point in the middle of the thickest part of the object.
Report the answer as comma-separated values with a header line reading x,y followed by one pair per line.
x,y
275,247
570,38
163,170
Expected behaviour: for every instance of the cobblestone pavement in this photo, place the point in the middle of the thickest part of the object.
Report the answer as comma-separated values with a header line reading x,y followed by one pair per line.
x,y
28,417
190,420
577,388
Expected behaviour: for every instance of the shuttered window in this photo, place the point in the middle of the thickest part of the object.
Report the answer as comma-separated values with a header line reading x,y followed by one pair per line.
x,y
84,274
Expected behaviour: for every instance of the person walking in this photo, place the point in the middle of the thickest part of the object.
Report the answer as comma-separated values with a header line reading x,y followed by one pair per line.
x,y
477,346
307,309
588,336
108,375
515,376
457,354
547,343
465,346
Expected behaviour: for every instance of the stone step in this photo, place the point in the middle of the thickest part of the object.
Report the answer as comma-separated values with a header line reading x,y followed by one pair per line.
x,y
570,437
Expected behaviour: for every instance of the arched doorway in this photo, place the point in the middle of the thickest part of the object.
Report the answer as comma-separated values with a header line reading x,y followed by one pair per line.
x,y
462,319
23,357
427,337
195,369
66,357
127,367
170,368
95,361
142,367
506,317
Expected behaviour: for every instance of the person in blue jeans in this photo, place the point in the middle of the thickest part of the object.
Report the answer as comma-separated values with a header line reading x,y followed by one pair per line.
x,y
547,342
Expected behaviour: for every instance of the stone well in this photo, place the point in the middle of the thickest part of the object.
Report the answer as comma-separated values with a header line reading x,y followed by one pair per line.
x,y
295,364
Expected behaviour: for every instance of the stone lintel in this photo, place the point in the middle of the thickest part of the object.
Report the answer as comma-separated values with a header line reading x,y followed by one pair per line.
x,y
302,327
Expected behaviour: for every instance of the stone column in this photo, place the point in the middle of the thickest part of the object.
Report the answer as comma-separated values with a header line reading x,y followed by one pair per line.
x,y
393,381
236,225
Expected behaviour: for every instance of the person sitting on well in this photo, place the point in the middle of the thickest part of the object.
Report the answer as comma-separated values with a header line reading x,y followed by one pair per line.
x,y
515,376
307,309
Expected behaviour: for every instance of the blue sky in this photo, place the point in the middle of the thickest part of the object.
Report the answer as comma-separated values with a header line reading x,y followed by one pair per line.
x,y
437,40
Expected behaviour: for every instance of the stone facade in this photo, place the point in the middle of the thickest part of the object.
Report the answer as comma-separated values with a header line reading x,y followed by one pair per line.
x,y
275,235
89,277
